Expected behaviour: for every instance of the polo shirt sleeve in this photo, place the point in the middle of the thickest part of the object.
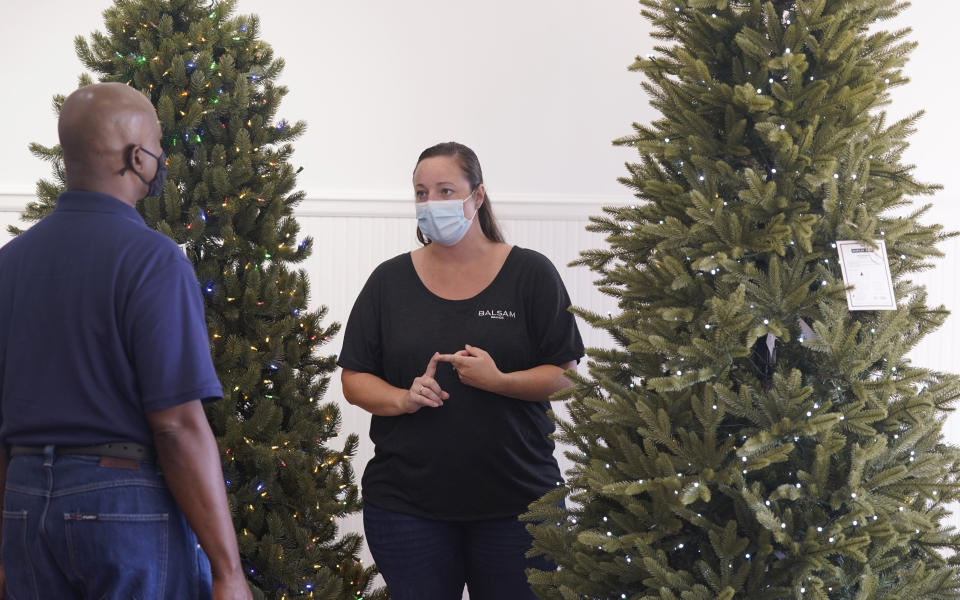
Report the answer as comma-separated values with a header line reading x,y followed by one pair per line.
x,y
168,340
556,338
362,341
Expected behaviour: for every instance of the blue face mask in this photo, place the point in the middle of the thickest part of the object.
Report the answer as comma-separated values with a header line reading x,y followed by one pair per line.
x,y
442,221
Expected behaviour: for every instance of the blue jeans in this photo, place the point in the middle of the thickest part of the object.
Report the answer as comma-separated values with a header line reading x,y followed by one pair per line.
x,y
425,559
75,529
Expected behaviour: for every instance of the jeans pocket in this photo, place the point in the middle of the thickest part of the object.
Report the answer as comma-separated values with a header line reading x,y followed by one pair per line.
x,y
119,555
15,553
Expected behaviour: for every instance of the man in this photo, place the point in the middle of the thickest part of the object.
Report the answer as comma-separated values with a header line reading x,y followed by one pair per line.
x,y
104,363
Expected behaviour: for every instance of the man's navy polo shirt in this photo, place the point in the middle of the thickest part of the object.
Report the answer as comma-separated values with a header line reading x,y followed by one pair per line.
x,y
101,321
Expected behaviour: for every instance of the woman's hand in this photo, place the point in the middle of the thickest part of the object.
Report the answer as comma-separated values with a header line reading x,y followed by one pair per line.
x,y
476,368
425,390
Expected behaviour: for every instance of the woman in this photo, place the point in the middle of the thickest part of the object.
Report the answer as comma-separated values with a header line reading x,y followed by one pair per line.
x,y
455,348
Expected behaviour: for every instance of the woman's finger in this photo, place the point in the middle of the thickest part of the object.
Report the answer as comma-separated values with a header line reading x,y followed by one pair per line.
x,y
432,365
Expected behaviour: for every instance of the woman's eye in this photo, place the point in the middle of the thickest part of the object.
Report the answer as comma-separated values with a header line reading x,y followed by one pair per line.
x,y
420,194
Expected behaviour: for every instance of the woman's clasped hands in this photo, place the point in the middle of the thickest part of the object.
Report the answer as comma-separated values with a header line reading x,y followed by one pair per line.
x,y
473,366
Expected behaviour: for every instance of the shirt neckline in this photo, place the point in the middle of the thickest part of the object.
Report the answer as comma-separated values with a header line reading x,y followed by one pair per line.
x,y
85,201
496,278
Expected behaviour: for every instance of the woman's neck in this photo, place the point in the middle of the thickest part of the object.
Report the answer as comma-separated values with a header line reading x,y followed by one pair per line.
x,y
473,246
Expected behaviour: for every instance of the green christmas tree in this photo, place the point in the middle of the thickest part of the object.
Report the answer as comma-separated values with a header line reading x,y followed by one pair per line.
x,y
229,201
749,436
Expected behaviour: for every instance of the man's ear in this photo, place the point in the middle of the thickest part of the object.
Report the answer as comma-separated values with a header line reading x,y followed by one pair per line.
x,y
133,159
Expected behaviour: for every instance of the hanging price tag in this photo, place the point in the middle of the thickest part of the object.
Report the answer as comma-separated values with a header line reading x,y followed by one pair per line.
x,y
867,270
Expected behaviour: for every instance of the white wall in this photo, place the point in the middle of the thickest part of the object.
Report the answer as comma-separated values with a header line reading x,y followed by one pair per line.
x,y
538,88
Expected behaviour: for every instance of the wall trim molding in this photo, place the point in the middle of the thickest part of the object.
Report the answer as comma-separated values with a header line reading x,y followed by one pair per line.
x,y
334,203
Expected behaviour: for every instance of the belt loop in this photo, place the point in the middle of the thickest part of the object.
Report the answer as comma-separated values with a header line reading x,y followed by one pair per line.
x,y
48,452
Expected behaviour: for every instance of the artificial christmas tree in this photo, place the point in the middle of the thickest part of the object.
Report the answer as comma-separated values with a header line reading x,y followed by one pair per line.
x,y
229,202
750,436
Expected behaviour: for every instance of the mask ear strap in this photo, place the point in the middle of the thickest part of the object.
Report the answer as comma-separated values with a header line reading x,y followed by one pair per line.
x,y
476,211
128,157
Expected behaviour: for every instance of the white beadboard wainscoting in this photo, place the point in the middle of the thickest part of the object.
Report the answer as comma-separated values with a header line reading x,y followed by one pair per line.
x,y
354,232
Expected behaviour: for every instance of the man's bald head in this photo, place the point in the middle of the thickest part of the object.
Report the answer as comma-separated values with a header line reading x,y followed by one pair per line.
x,y
102,129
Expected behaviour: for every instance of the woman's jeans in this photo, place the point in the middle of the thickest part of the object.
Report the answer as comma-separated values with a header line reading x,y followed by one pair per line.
x,y
425,559
75,529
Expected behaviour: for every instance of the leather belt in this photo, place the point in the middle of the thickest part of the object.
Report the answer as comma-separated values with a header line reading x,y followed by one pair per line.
x,y
127,450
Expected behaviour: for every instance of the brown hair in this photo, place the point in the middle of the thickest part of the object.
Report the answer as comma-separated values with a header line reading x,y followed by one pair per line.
x,y
470,165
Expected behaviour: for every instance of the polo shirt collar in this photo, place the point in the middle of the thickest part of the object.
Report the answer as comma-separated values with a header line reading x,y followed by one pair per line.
x,y
84,201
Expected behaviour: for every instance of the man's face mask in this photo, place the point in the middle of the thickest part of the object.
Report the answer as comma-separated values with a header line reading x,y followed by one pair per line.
x,y
160,178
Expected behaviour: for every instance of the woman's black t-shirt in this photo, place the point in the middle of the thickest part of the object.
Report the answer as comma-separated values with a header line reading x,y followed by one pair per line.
x,y
480,455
